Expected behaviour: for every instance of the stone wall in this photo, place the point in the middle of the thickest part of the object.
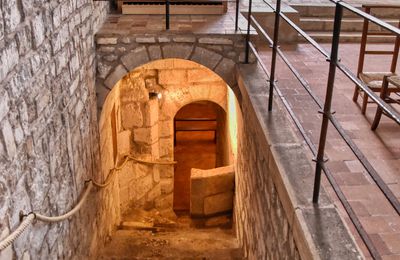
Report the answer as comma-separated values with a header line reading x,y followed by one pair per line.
x,y
275,217
145,126
48,129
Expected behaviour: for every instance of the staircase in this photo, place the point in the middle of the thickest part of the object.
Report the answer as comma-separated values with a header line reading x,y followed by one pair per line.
x,y
317,21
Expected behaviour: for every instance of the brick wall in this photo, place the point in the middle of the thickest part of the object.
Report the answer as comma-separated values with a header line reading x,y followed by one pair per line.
x,y
48,124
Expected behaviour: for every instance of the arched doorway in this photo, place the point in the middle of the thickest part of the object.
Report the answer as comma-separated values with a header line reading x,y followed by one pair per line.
x,y
199,133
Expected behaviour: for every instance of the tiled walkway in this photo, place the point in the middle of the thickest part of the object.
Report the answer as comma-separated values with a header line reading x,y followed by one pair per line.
x,y
381,147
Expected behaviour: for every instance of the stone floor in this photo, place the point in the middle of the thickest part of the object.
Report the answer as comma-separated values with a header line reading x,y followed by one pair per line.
x,y
382,147
355,2
163,235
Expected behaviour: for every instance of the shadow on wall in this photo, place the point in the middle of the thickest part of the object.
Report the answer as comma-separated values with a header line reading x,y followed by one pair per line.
x,y
136,120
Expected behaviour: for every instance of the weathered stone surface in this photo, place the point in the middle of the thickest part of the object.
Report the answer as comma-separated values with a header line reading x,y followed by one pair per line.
x,y
167,185
201,76
124,142
225,70
4,106
211,184
155,52
115,76
8,137
131,116
214,40
103,70
213,181
171,77
205,57
145,39
182,51
136,58
184,39
218,203
142,135
105,41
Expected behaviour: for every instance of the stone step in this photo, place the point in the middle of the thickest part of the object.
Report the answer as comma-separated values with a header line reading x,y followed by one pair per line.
x,y
328,10
348,24
321,36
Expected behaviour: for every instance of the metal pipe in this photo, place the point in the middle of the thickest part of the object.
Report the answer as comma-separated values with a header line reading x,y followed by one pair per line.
x,y
167,2
274,52
328,100
369,17
237,16
246,58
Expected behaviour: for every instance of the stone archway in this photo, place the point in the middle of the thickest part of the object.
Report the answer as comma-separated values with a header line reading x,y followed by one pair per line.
x,y
143,125
117,55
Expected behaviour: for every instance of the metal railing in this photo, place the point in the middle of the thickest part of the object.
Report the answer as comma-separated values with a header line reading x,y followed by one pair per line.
x,y
328,115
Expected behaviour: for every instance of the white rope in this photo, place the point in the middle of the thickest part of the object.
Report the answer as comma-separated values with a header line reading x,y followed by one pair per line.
x,y
20,229
71,212
31,216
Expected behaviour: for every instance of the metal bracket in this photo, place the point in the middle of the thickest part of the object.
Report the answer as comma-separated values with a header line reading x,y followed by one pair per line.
x,y
323,161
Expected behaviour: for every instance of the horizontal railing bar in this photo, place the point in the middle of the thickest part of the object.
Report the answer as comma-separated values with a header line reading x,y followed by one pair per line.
x,y
369,17
379,52
381,103
353,147
381,6
353,217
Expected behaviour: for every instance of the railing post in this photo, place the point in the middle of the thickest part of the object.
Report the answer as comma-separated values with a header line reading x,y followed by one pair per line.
x,y
237,16
246,58
327,114
167,14
275,47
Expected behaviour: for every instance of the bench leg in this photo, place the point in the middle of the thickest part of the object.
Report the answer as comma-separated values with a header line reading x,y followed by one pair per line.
x,y
377,118
364,104
356,93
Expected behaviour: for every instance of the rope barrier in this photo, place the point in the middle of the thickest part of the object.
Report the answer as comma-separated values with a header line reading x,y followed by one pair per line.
x,y
32,216
20,229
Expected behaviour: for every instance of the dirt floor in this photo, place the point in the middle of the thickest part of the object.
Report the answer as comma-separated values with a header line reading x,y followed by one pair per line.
x,y
163,235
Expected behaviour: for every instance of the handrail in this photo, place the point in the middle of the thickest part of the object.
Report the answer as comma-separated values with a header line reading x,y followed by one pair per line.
x,y
369,17
30,217
335,63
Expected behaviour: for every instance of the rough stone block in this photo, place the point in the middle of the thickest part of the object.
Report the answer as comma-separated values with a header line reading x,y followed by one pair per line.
x,y
219,203
107,40
185,39
123,142
213,181
145,40
142,135
115,76
171,77
136,58
211,184
226,70
201,75
213,40
155,52
11,14
182,51
8,138
167,185
131,116
4,106
206,57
